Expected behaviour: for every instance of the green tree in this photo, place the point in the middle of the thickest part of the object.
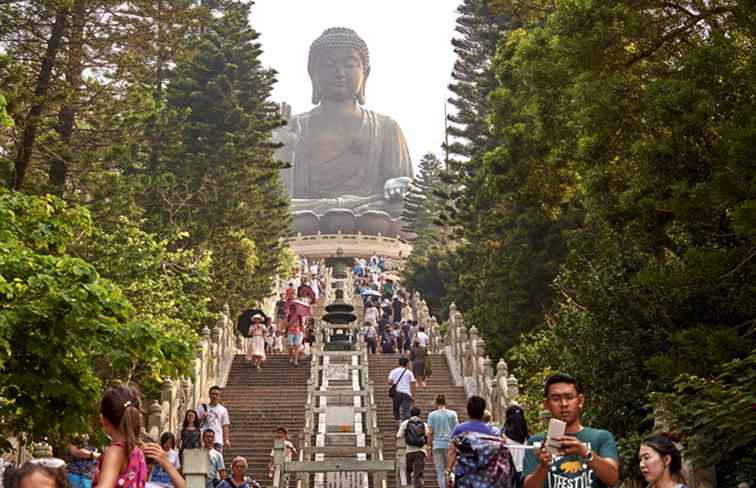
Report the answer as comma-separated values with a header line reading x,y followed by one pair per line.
x,y
5,119
223,186
714,411
626,117
65,332
480,28
421,205
426,268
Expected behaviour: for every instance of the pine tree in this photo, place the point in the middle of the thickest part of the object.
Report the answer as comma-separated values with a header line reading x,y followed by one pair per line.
x,y
480,30
421,205
225,191
480,27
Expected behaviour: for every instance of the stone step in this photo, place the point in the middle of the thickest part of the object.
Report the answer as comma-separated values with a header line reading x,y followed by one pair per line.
x,y
258,402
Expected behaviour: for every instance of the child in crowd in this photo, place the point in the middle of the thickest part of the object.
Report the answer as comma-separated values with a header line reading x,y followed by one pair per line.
x,y
270,339
123,464
290,452
158,474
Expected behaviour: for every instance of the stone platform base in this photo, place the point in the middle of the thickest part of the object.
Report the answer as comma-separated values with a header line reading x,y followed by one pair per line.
x,y
357,245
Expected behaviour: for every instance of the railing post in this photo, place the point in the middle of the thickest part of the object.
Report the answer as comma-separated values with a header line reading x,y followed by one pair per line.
x,y
279,459
195,466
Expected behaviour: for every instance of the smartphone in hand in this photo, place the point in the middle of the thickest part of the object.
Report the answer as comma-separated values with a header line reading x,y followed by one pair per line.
x,y
556,431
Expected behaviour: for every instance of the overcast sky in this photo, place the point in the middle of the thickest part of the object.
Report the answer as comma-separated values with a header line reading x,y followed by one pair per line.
x,y
411,56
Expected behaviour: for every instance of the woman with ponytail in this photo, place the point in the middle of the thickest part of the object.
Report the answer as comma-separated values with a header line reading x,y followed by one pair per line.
x,y
122,465
661,462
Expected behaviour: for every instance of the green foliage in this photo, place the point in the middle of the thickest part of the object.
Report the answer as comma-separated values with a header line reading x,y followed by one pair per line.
x,y
65,332
221,181
5,119
422,205
714,412
606,226
426,267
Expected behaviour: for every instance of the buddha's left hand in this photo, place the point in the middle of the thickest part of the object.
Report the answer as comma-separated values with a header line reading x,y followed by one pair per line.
x,y
396,188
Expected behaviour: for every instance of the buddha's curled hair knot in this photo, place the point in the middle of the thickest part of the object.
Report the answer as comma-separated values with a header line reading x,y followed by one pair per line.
x,y
339,37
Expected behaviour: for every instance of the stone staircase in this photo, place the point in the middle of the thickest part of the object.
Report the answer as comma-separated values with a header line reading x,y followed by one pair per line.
x,y
440,382
260,400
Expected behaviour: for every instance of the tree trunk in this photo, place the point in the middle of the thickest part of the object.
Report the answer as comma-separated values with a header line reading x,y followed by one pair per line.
x,y
67,115
25,149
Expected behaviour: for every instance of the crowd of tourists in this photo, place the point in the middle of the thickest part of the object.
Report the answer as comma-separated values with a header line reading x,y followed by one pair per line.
x,y
133,459
292,329
478,453
473,454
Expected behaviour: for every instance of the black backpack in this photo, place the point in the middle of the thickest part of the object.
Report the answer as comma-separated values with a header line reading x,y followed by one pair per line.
x,y
414,433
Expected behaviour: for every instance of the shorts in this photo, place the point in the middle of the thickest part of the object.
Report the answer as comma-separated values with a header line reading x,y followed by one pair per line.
x,y
295,340
79,481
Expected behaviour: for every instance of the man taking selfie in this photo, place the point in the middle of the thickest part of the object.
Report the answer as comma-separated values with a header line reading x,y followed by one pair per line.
x,y
586,457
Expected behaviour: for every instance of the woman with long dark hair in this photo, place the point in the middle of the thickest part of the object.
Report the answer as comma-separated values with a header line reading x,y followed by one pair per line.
x,y
661,462
123,464
189,437
515,433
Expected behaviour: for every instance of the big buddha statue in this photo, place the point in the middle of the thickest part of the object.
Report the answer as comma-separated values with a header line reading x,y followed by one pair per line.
x,y
342,155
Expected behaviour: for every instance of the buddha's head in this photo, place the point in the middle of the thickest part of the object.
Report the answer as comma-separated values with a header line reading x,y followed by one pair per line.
x,y
339,64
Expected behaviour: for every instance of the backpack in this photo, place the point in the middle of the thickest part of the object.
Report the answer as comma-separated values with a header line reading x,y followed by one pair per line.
x,y
414,433
483,460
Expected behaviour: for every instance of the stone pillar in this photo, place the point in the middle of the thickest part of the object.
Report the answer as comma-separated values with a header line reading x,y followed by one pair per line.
x,y
513,390
195,466
436,339
169,414
461,349
154,420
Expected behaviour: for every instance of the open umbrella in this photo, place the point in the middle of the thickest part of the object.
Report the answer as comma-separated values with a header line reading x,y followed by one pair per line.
x,y
245,320
370,292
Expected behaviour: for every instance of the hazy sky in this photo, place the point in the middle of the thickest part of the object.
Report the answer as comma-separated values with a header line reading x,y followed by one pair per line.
x,y
411,56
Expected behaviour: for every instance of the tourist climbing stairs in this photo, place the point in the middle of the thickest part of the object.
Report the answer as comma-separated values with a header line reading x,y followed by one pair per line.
x,y
260,400
439,382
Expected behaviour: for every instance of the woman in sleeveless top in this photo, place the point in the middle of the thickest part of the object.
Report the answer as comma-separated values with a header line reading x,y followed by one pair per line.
x,y
122,465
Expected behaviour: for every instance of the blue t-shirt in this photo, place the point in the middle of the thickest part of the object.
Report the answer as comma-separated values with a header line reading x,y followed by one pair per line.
x,y
442,423
472,426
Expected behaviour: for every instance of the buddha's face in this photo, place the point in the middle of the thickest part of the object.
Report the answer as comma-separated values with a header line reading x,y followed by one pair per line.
x,y
339,73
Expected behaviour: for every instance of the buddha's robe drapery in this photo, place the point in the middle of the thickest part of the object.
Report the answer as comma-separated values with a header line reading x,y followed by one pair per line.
x,y
353,179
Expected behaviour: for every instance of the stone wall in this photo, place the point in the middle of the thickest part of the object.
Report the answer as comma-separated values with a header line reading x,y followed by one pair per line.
x,y
466,354
216,352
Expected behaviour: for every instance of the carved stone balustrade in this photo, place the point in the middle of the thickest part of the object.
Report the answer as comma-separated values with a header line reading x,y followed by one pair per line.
x,y
465,352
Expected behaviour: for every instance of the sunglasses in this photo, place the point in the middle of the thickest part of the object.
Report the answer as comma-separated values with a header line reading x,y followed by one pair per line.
x,y
48,462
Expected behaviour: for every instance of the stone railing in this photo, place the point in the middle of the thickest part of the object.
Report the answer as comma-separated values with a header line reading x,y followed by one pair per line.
x,y
215,354
466,354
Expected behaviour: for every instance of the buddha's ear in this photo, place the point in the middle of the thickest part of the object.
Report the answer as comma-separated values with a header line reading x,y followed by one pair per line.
x,y
361,91
315,91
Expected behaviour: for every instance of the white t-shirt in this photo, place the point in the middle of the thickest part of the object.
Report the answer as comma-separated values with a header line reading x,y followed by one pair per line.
x,y
217,417
371,314
423,339
289,451
402,385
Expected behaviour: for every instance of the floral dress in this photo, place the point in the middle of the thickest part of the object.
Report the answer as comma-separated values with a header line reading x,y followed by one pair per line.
x,y
135,473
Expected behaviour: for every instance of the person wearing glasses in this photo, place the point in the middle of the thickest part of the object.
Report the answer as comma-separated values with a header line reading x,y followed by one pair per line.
x,y
587,457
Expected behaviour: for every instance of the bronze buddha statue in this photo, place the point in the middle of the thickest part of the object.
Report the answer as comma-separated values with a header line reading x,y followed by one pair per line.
x,y
342,154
